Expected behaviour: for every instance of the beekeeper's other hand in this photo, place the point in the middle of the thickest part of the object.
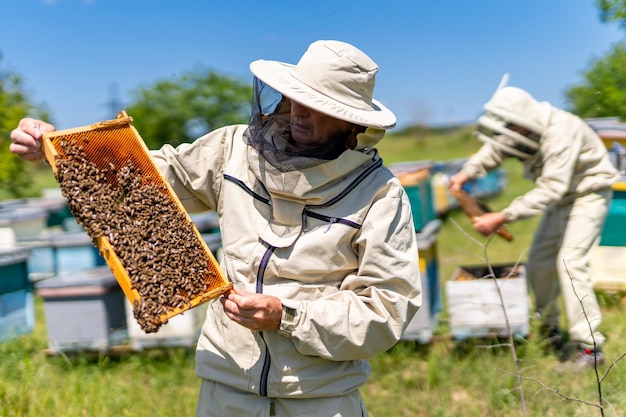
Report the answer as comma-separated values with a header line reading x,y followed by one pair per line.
x,y
457,181
488,223
27,138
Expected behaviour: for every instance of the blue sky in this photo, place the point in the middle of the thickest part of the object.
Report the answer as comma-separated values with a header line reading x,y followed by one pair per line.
x,y
439,60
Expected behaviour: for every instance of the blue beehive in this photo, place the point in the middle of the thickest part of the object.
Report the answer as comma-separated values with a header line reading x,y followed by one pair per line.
x,y
84,310
416,179
615,223
57,253
423,324
17,314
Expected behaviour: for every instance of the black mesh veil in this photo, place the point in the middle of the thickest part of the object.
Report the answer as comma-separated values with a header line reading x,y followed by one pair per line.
x,y
270,134
504,135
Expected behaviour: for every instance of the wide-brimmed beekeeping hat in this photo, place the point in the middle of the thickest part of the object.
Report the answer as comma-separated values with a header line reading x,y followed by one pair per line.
x,y
332,77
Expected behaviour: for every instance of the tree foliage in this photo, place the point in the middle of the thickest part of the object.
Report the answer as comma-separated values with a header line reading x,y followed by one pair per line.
x,y
15,179
179,110
612,11
604,92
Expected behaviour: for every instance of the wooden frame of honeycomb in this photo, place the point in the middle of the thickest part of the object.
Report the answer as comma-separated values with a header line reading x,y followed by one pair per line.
x,y
107,149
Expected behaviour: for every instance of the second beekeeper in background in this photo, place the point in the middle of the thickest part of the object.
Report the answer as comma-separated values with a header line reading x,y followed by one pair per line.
x,y
573,178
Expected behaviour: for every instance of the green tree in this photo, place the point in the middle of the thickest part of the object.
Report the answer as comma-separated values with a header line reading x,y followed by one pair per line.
x,y
603,94
177,111
612,11
15,178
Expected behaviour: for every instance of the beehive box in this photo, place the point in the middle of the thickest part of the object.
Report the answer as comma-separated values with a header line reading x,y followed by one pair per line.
x,y
416,179
54,206
133,216
26,222
421,328
84,310
607,268
617,155
615,222
17,314
486,186
610,129
181,330
59,252
475,307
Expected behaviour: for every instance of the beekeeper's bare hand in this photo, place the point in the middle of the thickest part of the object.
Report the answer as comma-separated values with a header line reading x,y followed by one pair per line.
x,y
27,138
457,181
254,311
488,223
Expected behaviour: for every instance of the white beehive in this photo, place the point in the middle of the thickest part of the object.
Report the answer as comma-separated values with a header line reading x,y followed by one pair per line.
x,y
480,305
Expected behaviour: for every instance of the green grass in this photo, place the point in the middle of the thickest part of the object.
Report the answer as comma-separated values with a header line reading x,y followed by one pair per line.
x,y
445,378
151,383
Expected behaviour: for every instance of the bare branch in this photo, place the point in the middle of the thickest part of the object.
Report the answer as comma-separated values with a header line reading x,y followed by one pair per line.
x,y
545,387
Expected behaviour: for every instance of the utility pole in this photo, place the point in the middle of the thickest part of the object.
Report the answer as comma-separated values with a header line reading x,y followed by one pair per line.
x,y
114,104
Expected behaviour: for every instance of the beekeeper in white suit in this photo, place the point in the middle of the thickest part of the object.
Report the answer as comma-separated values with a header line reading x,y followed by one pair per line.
x,y
573,179
317,235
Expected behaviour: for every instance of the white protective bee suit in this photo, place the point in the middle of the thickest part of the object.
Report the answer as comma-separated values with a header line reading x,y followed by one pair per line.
x,y
573,176
332,237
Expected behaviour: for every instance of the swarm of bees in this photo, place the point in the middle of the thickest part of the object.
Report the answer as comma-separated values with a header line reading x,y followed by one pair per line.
x,y
155,242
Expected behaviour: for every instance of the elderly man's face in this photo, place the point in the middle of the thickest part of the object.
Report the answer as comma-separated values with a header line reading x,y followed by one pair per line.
x,y
310,129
